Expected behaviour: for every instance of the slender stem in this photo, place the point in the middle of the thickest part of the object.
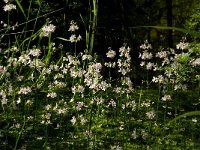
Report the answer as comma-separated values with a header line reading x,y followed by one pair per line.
x,y
75,49
140,96
94,24
48,57
147,78
34,25
36,94
158,100
20,133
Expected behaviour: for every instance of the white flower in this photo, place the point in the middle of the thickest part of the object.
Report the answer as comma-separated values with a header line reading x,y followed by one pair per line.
x,y
73,26
117,90
146,104
9,7
124,66
121,127
98,67
110,64
19,100
166,98
48,107
116,147
86,57
39,138
111,54
149,66
29,102
10,90
165,61
97,100
77,89
4,101
83,120
73,120
112,103
74,72
61,111
25,59
5,25
144,134
47,30
2,70
150,115
6,1
17,125
35,52
146,55
74,39
78,38
38,64
79,106
3,94
182,45
196,62
142,63
180,87
146,45
48,116
103,85
162,54
124,52
134,134
194,120
58,76
52,95
159,79
24,90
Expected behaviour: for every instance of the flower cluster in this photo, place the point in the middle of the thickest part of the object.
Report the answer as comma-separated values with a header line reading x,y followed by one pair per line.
x,y
124,61
35,52
8,6
172,64
110,53
73,27
182,45
146,55
166,98
47,30
24,90
93,78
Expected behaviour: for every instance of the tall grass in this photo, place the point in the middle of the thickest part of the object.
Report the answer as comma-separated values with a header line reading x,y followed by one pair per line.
x,y
71,102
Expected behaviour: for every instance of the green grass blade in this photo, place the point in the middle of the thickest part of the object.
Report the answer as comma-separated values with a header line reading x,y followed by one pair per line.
x,y
192,113
85,26
86,32
62,39
39,17
20,7
38,2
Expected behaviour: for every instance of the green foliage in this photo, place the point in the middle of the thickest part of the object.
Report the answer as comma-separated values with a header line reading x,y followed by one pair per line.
x,y
193,22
